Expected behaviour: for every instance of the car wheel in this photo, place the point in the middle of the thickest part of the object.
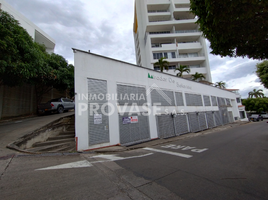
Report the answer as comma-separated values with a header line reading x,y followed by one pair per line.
x,y
60,109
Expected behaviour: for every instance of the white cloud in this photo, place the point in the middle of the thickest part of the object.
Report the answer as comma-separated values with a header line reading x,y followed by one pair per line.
x,y
105,27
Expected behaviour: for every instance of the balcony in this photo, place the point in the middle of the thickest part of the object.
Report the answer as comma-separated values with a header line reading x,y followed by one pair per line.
x,y
183,15
163,47
182,3
185,47
157,5
184,24
183,9
189,47
159,17
184,59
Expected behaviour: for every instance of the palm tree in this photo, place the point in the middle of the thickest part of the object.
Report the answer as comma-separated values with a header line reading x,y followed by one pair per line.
x,y
220,84
181,69
163,64
256,93
198,76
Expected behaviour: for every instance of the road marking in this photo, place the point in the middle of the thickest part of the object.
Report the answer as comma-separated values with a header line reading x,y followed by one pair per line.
x,y
115,158
86,163
78,164
169,152
184,148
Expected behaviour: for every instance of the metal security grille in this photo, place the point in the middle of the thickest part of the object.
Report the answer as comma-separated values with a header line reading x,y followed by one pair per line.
x,y
193,100
214,101
206,100
194,122
165,126
181,124
202,121
163,97
132,133
228,102
179,99
210,120
218,120
98,131
224,115
231,117
131,94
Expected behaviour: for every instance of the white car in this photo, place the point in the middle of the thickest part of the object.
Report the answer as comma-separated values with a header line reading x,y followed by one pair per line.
x,y
264,116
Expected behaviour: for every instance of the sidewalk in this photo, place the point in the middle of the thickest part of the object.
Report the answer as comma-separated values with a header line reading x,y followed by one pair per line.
x,y
11,130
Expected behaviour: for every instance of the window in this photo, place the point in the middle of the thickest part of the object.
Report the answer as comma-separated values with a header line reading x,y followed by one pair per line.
x,y
172,67
157,55
164,54
238,100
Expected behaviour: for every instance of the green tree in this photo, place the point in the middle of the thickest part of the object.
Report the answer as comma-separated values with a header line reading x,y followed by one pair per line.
x,y
162,64
24,61
256,93
18,54
198,76
181,69
258,104
56,73
234,28
262,72
220,84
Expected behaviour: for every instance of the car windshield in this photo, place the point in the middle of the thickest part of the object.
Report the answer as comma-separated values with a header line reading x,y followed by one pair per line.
x,y
55,100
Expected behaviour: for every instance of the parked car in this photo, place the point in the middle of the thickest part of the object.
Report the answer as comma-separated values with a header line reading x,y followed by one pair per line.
x,y
255,118
56,105
264,116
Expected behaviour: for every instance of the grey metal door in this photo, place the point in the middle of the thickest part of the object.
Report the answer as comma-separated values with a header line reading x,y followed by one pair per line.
x,y
165,126
133,132
181,124
210,120
224,115
98,122
194,122
202,121
231,117
218,120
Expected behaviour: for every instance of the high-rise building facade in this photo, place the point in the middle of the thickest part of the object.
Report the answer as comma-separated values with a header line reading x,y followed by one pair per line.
x,y
167,28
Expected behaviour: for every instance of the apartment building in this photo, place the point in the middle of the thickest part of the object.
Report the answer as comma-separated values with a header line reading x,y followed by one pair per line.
x,y
167,28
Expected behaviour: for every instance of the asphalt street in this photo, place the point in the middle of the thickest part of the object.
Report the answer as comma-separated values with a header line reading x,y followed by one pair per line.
x,y
230,164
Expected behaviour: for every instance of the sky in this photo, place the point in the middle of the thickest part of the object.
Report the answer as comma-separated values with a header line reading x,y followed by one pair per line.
x,y
105,27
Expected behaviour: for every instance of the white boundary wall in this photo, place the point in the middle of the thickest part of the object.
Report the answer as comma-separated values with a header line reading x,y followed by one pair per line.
x,y
88,65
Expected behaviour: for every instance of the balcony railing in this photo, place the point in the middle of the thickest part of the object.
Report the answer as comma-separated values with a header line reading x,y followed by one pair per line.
x,y
157,11
183,18
190,55
179,31
163,20
187,31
